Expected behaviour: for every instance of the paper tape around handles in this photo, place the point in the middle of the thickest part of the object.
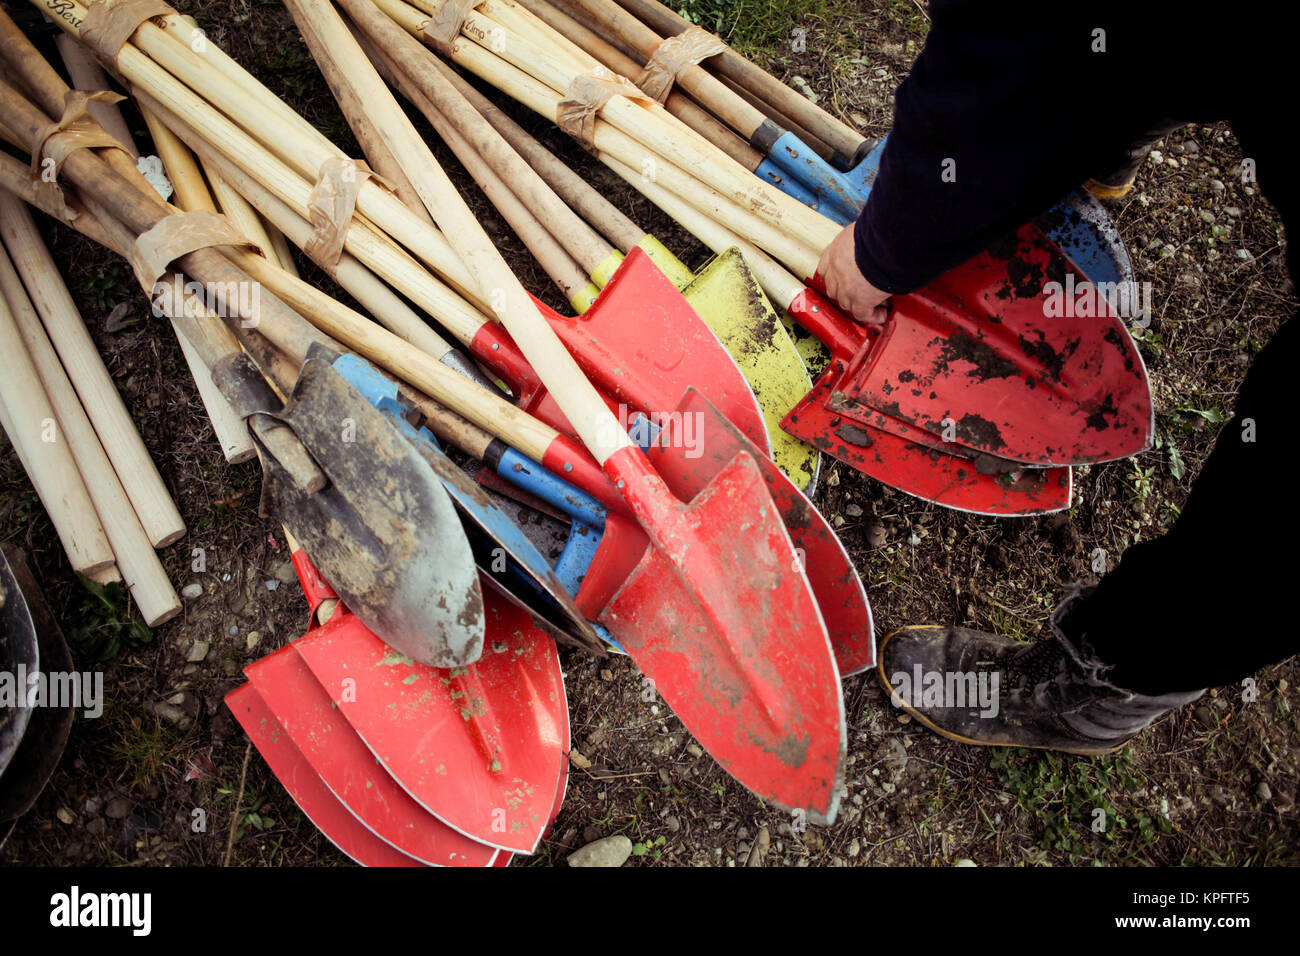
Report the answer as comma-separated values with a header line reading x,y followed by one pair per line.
x,y
445,23
178,235
75,129
330,208
109,24
587,95
673,57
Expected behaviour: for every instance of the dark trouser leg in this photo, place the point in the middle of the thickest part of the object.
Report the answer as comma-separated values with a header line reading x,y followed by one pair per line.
x,y
1214,599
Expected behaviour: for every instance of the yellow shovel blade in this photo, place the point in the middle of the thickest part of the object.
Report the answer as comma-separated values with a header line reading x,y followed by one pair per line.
x,y
730,301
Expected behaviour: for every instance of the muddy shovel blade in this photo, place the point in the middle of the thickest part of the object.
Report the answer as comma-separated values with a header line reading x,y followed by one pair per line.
x,y
306,788
729,299
831,575
383,531
483,748
327,741
927,473
718,615
497,543
986,357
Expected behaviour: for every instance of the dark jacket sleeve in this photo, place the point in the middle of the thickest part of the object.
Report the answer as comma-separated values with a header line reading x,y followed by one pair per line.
x,y
1008,107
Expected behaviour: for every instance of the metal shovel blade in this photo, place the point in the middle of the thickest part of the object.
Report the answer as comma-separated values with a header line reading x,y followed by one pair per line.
x,y
497,543
928,473
642,344
383,531
19,655
327,741
982,356
831,575
482,748
729,299
720,618
305,786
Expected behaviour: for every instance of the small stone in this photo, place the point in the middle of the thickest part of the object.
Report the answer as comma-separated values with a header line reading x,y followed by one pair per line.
x,y
64,815
804,89
887,787
858,119
965,862
1157,157
904,718
97,827
198,651
853,510
285,573
251,639
1206,215
1219,795
673,824
876,534
117,808
578,760
272,584
1282,685
609,852
695,750
1205,716
92,806
834,479
1264,791
606,674
192,591
855,847
1245,255
1191,148
1233,211
838,521
1217,187
172,714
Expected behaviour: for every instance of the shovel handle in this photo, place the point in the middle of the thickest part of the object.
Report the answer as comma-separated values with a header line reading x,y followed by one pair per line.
x,y
842,138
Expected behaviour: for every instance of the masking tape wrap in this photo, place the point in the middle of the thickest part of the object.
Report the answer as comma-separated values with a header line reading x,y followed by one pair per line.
x,y
587,95
109,24
75,129
673,57
330,208
445,23
177,235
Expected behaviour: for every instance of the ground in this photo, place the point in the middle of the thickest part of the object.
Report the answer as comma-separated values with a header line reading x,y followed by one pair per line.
x,y
1213,784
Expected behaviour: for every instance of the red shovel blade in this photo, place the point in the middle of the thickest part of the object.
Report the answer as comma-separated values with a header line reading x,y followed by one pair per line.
x,y
642,344
831,575
720,618
981,356
306,788
481,748
350,771
927,473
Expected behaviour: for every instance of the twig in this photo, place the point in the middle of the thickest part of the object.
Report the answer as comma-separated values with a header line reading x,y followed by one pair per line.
x,y
239,798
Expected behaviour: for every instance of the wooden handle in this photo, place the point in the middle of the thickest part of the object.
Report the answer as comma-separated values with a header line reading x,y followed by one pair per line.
x,y
808,115
563,259
88,75
149,495
681,106
135,557
576,396
32,427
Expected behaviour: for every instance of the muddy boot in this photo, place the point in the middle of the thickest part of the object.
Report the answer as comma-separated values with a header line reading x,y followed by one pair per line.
x,y
979,688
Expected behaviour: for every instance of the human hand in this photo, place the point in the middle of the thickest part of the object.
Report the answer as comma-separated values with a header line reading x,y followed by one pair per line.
x,y
846,284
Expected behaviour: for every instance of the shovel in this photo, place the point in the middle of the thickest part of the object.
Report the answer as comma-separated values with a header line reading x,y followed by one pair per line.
x,y
722,621
318,480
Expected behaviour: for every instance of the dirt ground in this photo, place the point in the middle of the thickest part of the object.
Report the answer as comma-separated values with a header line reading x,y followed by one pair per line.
x,y
1214,784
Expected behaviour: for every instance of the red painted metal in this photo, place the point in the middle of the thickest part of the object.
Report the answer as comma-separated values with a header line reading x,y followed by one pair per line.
x,y
481,748
928,473
641,344
981,357
350,771
718,615
306,788
833,579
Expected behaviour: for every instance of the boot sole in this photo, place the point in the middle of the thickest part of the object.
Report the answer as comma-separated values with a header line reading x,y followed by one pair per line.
x,y
926,722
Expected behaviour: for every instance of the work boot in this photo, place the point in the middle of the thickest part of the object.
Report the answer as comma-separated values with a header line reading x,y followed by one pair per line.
x,y
979,688
1115,184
